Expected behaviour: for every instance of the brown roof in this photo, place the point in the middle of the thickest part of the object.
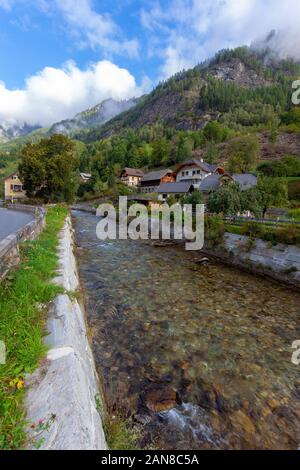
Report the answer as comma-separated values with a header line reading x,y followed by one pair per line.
x,y
156,175
12,174
133,172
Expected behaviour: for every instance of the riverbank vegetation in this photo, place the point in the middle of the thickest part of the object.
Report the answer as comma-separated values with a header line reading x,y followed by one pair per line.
x,y
24,296
288,234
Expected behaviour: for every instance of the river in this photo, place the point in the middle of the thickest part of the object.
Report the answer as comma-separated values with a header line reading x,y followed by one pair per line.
x,y
199,357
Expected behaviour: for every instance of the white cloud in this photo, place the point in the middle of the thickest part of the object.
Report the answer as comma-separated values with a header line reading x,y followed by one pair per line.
x,y
55,94
95,30
6,4
87,27
193,30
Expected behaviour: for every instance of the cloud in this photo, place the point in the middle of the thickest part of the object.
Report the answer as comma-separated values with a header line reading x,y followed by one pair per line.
x,y
87,27
193,30
55,94
95,30
6,4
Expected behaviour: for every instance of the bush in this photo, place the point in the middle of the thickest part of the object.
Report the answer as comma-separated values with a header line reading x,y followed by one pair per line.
x,y
194,198
289,235
253,229
294,190
214,230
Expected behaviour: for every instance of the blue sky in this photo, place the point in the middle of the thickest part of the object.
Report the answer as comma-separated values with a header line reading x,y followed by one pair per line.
x,y
60,56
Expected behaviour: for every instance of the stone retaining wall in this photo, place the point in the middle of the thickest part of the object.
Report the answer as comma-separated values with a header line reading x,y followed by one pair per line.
x,y
279,262
9,247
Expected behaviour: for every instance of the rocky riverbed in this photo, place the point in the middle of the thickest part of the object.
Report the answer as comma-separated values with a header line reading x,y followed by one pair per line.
x,y
198,356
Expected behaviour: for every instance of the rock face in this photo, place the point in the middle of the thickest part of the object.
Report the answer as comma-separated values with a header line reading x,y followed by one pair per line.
x,y
235,71
286,144
96,116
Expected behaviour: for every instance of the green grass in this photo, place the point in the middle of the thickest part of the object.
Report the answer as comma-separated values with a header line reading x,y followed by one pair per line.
x,y
119,433
24,296
294,214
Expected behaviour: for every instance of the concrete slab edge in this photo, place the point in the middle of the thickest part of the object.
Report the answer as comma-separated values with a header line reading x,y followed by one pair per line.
x,y
63,402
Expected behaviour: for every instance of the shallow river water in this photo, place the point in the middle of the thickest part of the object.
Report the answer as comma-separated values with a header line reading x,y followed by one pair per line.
x,y
198,356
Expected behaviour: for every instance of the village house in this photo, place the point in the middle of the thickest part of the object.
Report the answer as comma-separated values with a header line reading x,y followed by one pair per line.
x,y
151,181
13,188
216,181
195,171
131,176
174,189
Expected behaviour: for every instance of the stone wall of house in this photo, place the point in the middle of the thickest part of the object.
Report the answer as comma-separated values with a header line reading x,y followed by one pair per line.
x,y
9,247
279,262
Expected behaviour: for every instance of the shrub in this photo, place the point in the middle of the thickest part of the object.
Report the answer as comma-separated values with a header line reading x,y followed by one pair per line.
x,y
214,230
294,190
289,235
253,229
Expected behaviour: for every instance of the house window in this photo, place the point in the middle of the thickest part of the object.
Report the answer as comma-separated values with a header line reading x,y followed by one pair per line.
x,y
183,173
15,177
165,196
194,172
17,188
198,172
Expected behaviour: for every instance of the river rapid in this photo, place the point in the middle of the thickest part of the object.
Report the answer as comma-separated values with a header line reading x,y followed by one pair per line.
x,y
198,357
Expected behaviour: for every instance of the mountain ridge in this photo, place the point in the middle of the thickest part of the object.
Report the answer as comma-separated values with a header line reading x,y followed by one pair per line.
x,y
92,117
185,101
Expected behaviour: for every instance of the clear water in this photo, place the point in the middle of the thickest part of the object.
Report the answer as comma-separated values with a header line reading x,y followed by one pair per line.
x,y
219,337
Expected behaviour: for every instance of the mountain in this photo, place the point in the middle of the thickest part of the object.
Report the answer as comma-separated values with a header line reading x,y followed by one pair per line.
x,y
96,116
242,79
13,131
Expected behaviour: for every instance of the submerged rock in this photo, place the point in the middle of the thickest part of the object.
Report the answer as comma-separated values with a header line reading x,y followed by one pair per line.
x,y
242,423
161,399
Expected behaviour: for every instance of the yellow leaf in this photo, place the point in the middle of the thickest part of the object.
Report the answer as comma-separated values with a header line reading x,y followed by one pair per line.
x,y
20,384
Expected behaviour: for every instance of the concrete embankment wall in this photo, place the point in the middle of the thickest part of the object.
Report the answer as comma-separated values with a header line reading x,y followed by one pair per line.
x,y
9,247
279,262
66,386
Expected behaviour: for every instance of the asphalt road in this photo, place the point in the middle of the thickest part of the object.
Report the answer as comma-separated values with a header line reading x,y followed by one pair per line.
x,y
11,221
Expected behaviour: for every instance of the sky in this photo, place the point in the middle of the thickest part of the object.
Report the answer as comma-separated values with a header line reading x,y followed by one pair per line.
x,y
59,57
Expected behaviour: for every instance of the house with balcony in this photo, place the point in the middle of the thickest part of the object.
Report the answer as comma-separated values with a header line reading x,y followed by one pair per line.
x,y
151,181
13,188
131,176
195,171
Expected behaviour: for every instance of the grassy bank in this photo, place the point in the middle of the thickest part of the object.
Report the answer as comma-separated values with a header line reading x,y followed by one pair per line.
x,y
286,234
23,310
